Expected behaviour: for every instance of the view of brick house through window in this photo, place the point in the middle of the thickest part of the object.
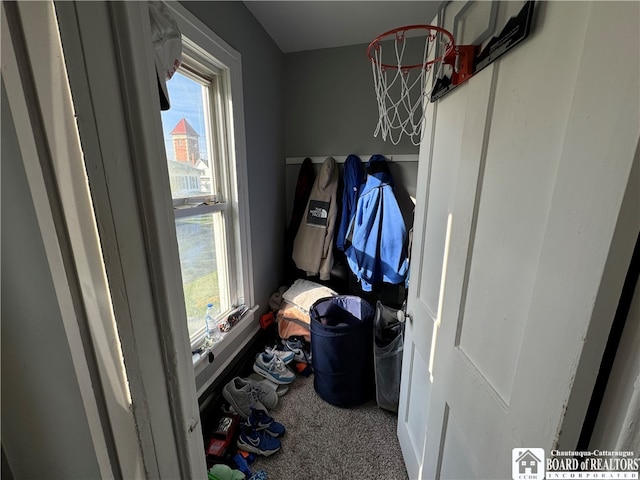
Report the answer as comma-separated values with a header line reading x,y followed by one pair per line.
x,y
201,214
185,143
189,174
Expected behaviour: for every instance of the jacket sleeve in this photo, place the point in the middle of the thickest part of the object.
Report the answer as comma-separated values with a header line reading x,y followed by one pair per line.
x,y
326,264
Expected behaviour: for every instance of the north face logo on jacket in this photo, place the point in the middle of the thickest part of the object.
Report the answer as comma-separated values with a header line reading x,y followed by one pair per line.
x,y
318,213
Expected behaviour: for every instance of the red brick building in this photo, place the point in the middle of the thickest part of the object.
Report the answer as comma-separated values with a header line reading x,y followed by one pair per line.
x,y
185,143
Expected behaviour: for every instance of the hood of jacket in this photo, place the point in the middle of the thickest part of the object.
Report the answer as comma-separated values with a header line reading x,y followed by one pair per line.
x,y
378,174
328,173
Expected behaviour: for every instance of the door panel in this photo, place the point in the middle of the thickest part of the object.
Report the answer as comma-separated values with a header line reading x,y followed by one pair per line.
x,y
453,464
496,302
416,414
523,151
441,194
415,395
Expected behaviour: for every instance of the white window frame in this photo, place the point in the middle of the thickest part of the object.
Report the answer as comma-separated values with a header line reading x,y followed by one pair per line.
x,y
205,48
218,123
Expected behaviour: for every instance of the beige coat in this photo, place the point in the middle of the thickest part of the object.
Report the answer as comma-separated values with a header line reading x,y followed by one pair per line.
x,y
313,245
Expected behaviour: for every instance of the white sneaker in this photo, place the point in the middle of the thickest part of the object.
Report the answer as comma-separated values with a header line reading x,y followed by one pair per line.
x,y
266,394
272,367
281,390
285,355
242,396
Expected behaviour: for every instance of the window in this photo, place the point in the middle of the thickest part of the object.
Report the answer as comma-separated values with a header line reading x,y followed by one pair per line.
x,y
198,135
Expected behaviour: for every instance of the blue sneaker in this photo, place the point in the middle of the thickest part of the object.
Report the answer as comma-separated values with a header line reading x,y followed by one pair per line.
x,y
257,441
299,349
259,475
260,420
272,367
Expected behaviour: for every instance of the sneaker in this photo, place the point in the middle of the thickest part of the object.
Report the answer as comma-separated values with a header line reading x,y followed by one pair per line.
x,y
270,366
301,353
258,441
262,421
285,355
259,475
242,396
281,390
266,392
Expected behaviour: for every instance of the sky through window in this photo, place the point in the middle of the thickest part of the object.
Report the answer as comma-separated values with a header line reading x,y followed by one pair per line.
x,y
186,102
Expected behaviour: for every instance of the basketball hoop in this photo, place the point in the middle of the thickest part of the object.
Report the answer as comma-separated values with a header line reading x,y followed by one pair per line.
x,y
402,88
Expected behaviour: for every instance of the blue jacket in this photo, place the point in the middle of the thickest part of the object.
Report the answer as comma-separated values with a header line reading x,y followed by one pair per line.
x,y
377,251
353,179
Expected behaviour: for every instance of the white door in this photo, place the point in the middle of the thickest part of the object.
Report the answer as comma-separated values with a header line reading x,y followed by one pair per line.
x,y
521,178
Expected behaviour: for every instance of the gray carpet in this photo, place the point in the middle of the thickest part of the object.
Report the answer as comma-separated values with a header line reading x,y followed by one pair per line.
x,y
327,442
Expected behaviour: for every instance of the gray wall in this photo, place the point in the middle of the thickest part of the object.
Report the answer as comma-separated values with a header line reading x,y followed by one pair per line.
x,y
312,103
262,77
620,406
331,109
330,105
40,392
611,424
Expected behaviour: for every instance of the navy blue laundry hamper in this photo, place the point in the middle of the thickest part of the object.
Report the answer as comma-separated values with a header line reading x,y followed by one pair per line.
x,y
342,349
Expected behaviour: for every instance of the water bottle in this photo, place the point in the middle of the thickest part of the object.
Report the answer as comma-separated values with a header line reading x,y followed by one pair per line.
x,y
210,321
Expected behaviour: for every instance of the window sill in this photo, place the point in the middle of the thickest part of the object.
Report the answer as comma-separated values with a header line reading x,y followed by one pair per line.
x,y
200,360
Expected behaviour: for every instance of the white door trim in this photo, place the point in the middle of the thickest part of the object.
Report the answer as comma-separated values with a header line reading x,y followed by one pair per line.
x,y
110,64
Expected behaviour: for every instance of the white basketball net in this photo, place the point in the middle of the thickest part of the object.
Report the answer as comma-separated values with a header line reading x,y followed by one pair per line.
x,y
402,92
